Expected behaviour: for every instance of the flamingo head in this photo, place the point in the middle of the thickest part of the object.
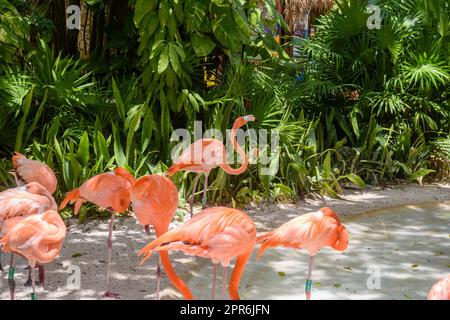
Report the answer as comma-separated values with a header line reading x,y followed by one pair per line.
x,y
239,122
248,118
342,241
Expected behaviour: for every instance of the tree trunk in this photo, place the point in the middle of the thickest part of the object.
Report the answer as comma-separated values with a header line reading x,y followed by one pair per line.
x,y
85,33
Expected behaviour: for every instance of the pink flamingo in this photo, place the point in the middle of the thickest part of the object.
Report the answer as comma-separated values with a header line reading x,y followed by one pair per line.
x,y
217,233
311,232
38,238
26,170
155,200
15,205
440,290
206,154
109,190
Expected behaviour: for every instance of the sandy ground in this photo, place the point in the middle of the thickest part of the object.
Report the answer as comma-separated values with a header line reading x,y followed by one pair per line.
x,y
405,251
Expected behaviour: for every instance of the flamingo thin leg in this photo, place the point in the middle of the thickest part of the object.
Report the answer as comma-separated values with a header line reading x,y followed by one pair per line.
x,y
28,282
204,191
191,198
41,275
108,293
11,271
308,280
214,282
158,277
224,282
33,284
158,267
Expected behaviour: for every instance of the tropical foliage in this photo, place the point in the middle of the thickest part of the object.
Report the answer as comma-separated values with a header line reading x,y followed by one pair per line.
x,y
360,106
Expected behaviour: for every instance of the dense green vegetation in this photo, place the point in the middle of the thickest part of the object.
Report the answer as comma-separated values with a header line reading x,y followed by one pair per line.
x,y
361,106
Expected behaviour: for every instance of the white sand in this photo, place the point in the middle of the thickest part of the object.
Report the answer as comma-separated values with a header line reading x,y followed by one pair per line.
x,y
85,248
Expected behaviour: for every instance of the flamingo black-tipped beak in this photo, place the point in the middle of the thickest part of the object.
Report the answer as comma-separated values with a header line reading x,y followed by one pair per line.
x,y
249,118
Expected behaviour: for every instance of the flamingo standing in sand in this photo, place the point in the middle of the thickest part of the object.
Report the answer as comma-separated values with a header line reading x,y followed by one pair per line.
x,y
155,200
38,238
312,232
109,190
217,233
440,290
25,171
206,154
15,205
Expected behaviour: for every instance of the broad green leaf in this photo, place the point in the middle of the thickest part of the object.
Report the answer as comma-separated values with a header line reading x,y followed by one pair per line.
x,y
26,110
180,52
254,16
199,99
103,146
119,103
133,127
151,23
202,45
83,150
165,117
58,151
147,129
163,12
420,174
194,102
195,11
181,100
327,166
53,128
241,20
172,26
75,169
141,8
274,166
121,160
93,2
163,60
356,180
355,126
178,9
37,116
174,61
225,30
406,169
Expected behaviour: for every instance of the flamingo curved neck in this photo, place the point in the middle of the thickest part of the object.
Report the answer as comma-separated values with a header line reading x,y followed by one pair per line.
x,y
238,270
225,166
170,272
52,201
54,205
129,177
